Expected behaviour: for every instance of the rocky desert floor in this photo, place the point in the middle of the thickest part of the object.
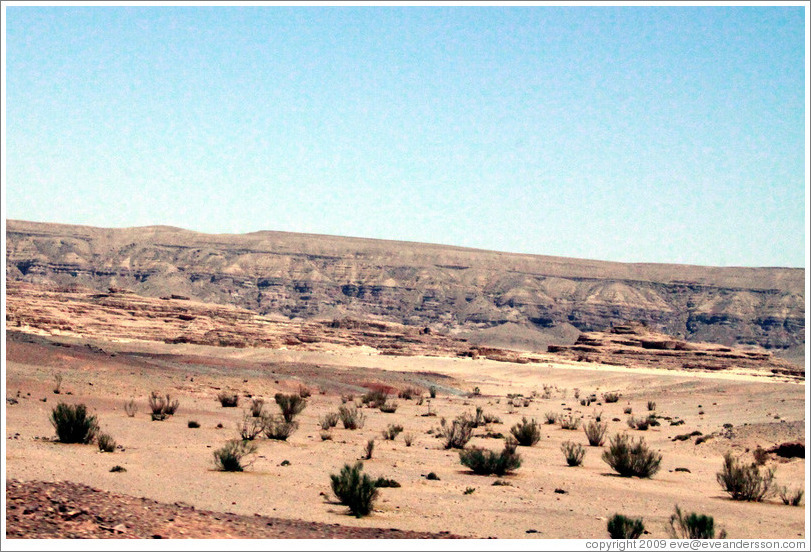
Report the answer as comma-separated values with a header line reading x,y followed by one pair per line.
x,y
172,464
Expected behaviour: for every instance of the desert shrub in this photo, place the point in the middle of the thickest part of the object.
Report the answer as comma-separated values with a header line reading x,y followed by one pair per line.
x,y
651,405
118,469
277,428
745,482
351,417
391,432
228,400
760,456
131,408
257,405
347,398
629,458
106,442
375,398
627,410
369,449
355,489
290,405
569,422
432,477
250,427
551,417
486,462
231,456
574,453
470,490
408,439
476,392
329,420
409,392
57,383
304,392
389,407
638,423
73,424
598,417
193,424
383,482
692,526
326,435
621,527
791,497
457,434
611,397
432,391
595,433
162,406
527,433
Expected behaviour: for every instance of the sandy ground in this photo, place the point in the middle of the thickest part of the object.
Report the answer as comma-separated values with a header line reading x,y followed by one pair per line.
x,y
169,462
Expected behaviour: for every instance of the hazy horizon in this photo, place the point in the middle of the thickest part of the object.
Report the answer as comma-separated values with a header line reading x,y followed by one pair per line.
x,y
636,134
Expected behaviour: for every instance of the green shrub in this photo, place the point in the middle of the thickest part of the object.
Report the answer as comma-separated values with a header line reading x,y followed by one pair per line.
x,y
457,434
355,489
277,428
73,424
106,442
290,405
621,527
231,456
745,482
595,433
391,432
486,462
693,526
574,453
629,458
351,417
527,433
228,400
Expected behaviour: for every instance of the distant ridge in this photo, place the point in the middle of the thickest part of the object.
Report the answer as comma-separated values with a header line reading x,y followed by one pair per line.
x,y
448,288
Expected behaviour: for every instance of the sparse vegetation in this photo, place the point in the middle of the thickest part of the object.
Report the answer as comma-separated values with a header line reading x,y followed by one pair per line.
x,y
408,439
232,456
73,424
304,392
470,490
290,405
277,428
527,433
355,489
257,405
651,405
389,407
193,424
250,427
329,420
106,442
569,422
409,393
745,482
790,497
574,453
631,459
693,526
370,447
383,482
551,417
351,417
131,408
392,431
611,397
760,456
57,383
118,469
432,476
432,391
622,527
457,434
162,406
228,400
375,398
595,433
641,424
486,462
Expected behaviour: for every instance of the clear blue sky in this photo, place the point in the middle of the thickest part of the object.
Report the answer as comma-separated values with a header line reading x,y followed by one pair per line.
x,y
640,134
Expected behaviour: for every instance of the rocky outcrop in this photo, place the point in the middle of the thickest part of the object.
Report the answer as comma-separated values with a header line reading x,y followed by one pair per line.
x,y
637,345
441,287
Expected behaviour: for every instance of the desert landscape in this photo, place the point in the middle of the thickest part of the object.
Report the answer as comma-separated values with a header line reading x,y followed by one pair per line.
x,y
430,365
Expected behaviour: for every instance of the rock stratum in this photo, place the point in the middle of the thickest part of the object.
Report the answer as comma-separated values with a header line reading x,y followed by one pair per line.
x,y
448,289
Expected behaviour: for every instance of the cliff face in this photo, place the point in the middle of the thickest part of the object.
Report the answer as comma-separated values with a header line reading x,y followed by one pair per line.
x,y
442,287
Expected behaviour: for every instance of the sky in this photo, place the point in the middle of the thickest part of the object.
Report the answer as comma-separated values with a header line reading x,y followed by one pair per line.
x,y
634,134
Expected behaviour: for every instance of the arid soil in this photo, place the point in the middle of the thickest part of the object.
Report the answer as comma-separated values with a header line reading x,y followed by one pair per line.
x,y
169,462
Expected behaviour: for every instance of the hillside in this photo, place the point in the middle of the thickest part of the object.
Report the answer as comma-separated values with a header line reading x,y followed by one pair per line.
x,y
448,289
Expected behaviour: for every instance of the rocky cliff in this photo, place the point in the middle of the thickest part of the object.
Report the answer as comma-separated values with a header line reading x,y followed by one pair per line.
x,y
445,288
